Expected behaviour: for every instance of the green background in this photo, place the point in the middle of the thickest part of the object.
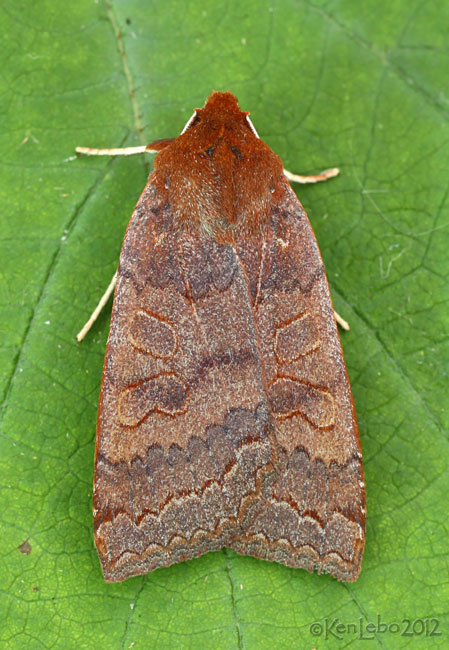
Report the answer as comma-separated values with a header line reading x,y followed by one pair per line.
x,y
361,86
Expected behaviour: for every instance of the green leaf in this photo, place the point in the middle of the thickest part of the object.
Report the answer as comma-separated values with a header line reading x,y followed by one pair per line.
x,y
362,86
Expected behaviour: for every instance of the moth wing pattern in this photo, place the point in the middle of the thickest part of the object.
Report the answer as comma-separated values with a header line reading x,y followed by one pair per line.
x,y
226,416
184,434
315,514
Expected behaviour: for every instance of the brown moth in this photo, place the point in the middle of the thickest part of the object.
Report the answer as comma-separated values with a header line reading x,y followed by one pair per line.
x,y
225,416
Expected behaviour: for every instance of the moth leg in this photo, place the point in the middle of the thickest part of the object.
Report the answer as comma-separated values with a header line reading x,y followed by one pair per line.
x,y
103,300
341,321
124,151
324,176
153,147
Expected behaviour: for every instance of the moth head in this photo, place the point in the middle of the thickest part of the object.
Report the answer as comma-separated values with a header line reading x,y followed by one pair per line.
x,y
220,106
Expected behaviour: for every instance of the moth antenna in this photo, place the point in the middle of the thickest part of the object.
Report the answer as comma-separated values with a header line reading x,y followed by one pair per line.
x,y
252,127
189,122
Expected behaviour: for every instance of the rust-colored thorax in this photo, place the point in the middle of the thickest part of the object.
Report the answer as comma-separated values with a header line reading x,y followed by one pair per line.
x,y
219,176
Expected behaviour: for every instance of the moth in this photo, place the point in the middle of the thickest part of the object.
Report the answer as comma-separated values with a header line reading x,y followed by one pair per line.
x,y
226,416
